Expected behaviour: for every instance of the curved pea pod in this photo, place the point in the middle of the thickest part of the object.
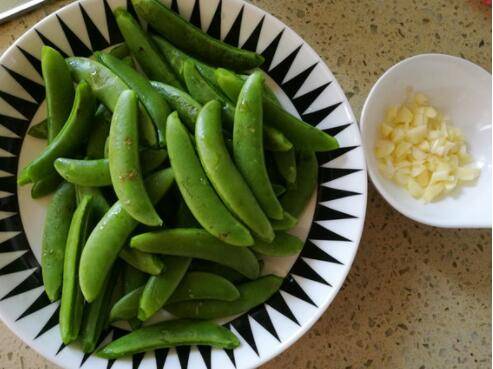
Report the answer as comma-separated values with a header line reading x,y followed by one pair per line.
x,y
286,223
110,234
45,185
68,141
222,172
123,156
170,334
59,89
251,294
91,173
144,50
275,140
159,288
248,146
120,51
204,286
196,190
57,224
97,139
39,130
187,108
147,263
152,159
192,40
283,245
156,106
286,164
296,198
218,269
127,307
107,88
133,279
198,243
99,204
72,303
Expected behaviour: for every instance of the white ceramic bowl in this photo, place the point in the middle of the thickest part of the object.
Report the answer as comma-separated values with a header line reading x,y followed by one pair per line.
x,y
461,90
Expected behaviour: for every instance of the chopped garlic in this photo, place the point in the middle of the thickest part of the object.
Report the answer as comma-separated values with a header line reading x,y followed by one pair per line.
x,y
420,151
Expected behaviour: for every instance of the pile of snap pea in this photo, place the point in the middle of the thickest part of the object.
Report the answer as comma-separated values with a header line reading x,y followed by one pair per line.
x,y
174,171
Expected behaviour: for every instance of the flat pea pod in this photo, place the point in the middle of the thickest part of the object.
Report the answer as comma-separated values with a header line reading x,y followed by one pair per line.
x,y
120,51
45,185
283,245
55,233
301,134
286,164
296,198
252,293
170,334
187,108
156,106
99,204
67,141
286,223
127,307
248,145
107,88
275,140
59,89
97,139
204,286
147,263
110,234
96,315
39,130
144,50
160,287
200,244
222,172
218,269
192,40
72,303
123,157
196,190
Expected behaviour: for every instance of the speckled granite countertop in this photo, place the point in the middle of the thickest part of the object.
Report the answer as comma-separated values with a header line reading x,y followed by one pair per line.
x,y
417,297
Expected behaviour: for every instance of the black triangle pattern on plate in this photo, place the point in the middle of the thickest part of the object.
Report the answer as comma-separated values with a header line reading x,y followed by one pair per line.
x,y
277,302
214,29
9,223
78,47
318,232
231,355
292,86
16,125
161,355
16,243
35,62
183,353
334,131
103,336
131,9
174,6
330,174
62,346
25,107
270,51
302,269
325,157
261,316
31,282
11,145
117,333
252,41
242,326
40,303
312,251
326,213
8,184
98,42
9,164
17,265
8,203
233,36
318,116
292,287
34,89
47,42
205,352
53,321
113,30
279,72
329,194
304,101
137,359
195,17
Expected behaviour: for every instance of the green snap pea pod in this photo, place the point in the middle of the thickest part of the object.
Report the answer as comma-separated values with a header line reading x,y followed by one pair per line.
x,y
278,189
286,223
96,315
275,140
107,88
251,294
267,90
110,234
127,307
187,108
97,139
156,106
91,173
196,190
144,50
45,186
159,288
283,245
147,263
120,51
55,233
39,130
152,159
99,204
123,157
296,198
204,286
286,164
192,40
218,269
200,244
72,302
222,172
67,141
133,279
302,135
59,89
170,334
248,145
129,61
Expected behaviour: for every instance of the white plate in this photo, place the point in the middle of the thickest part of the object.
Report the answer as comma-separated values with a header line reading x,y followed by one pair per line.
x,y
306,86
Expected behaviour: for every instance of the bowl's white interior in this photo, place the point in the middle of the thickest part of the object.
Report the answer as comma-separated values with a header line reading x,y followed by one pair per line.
x,y
461,90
